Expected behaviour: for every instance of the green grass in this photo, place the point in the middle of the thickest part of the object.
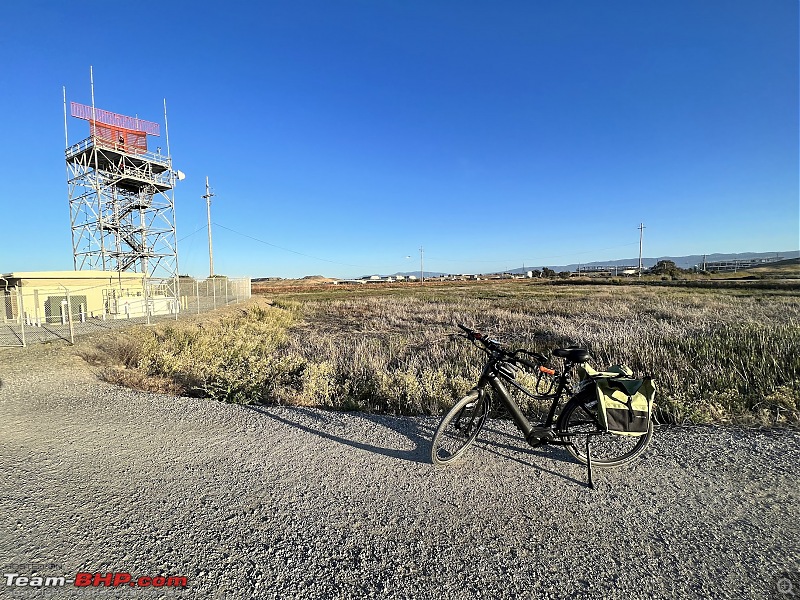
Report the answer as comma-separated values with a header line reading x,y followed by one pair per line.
x,y
718,356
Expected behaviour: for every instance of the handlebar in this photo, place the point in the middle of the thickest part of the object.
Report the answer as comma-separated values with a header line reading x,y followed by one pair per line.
x,y
474,336
493,347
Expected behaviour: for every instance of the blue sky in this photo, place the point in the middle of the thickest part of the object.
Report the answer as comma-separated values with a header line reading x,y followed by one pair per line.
x,y
491,133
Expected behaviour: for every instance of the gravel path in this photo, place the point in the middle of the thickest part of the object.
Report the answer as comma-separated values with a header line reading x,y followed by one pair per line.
x,y
299,503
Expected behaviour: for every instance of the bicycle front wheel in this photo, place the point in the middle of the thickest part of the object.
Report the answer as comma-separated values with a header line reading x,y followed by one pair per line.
x,y
579,418
459,428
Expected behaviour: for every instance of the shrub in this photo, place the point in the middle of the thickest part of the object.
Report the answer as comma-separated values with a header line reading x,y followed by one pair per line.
x,y
717,356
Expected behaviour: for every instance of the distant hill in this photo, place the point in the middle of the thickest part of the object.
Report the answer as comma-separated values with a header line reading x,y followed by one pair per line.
x,y
684,262
279,282
784,269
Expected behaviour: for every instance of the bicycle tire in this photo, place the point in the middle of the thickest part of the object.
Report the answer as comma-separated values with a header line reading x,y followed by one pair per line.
x,y
459,428
608,450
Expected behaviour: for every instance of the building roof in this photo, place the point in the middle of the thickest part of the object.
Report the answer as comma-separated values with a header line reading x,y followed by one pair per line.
x,y
74,275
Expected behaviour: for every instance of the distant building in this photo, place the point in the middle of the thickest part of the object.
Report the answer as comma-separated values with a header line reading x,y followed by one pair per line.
x,y
735,265
609,269
51,296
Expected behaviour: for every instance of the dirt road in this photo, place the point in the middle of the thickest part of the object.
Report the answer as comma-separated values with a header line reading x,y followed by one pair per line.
x,y
299,503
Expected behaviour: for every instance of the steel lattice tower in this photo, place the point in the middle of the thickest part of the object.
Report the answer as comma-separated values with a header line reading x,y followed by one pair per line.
x,y
122,209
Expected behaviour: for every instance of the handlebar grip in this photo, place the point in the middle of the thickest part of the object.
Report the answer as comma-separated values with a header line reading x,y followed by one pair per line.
x,y
527,364
472,334
536,368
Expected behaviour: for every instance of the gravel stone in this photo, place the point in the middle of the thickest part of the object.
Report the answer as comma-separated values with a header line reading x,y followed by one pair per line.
x,y
282,502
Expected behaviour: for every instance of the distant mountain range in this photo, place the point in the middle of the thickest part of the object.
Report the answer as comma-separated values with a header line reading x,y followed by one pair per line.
x,y
684,262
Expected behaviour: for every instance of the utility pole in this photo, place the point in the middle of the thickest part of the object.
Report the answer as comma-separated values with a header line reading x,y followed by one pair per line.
x,y
421,265
641,235
208,196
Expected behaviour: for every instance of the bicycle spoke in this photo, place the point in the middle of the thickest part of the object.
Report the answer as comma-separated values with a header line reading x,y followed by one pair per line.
x,y
459,428
608,450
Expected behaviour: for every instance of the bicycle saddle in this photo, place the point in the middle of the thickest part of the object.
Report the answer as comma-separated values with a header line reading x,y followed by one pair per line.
x,y
576,355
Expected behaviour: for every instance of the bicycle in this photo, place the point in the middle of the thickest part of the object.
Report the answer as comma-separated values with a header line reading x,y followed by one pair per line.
x,y
577,426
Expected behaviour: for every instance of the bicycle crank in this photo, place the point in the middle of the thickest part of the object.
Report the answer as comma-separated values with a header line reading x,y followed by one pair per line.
x,y
540,435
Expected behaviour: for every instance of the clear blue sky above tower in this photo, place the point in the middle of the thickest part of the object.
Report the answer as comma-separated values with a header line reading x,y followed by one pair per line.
x,y
493,134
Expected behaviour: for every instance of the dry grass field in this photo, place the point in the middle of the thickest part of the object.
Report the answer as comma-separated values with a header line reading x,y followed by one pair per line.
x,y
727,355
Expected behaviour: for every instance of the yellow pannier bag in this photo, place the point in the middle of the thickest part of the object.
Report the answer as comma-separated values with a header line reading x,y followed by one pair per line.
x,y
625,405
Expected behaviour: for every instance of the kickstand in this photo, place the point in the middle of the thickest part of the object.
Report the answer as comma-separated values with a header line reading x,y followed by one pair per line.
x,y
589,461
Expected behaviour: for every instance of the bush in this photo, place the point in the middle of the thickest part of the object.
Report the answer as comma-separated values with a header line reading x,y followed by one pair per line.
x,y
717,356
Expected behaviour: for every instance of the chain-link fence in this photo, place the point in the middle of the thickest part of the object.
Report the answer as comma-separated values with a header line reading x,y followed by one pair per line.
x,y
47,313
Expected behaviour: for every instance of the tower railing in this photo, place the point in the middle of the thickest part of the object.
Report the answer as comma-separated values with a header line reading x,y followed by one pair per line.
x,y
100,143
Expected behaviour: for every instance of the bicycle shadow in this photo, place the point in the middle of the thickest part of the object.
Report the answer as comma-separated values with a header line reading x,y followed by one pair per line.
x,y
554,453
549,452
418,434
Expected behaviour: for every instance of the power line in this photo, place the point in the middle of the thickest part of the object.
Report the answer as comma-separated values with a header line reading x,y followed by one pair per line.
x,y
534,258
334,262
289,249
186,237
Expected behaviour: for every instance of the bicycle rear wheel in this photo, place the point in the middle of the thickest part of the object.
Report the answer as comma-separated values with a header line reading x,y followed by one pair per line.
x,y
459,428
579,418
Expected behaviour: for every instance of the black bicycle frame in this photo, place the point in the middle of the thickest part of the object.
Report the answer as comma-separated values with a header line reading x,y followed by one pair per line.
x,y
491,376
495,377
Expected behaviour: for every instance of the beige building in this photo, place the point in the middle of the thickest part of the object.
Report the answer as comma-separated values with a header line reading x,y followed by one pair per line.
x,y
50,296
